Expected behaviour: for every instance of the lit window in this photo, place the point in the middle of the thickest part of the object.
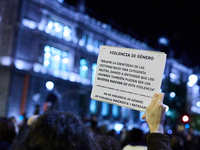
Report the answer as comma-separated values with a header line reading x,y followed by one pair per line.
x,y
65,61
94,66
82,40
115,111
6,60
29,23
93,106
19,64
105,109
89,44
59,30
55,59
67,33
96,46
50,25
47,48
47,56
46,63
124,112
83,68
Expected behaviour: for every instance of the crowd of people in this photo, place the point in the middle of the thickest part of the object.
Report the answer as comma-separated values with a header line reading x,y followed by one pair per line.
x,y
66,131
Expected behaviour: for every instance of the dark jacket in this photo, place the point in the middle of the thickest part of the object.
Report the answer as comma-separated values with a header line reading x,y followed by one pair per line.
x,y
158,141
4,145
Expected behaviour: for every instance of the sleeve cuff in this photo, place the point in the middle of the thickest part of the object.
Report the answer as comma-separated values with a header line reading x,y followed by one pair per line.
x,y
158,141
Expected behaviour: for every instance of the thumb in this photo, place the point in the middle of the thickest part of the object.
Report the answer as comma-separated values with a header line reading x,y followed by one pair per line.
x,y
144,116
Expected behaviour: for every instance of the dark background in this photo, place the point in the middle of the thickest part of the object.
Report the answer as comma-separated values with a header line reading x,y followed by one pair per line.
x,y
148,21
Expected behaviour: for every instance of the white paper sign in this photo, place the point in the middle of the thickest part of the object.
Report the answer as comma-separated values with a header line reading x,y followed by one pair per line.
x,y
128,77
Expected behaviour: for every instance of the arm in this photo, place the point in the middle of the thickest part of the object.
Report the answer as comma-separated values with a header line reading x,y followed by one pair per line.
x,y
158,141
155,116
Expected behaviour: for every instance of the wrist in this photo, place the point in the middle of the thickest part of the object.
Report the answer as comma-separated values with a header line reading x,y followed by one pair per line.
x,y
156,129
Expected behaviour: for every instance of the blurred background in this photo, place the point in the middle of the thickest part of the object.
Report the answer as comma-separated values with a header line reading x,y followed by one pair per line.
x,y
49,50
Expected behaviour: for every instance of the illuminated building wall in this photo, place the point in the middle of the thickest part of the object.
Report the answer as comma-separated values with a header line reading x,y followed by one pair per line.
x,y
43,40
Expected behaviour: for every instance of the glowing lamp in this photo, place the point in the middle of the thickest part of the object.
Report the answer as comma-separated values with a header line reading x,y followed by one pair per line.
x,y
185,118
193,78
49,85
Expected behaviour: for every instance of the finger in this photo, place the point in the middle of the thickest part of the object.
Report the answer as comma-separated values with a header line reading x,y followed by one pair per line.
x,y
165,107
161,96
160,99
163,112
153,101
144,116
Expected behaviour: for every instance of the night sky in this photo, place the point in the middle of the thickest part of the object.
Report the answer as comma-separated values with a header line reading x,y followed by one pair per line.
x,y
147,21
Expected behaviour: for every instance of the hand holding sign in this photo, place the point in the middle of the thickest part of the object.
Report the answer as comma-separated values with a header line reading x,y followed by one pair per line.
x,y
155,113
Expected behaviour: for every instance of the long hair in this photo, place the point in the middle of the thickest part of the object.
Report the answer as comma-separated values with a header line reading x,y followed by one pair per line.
x,y
57,131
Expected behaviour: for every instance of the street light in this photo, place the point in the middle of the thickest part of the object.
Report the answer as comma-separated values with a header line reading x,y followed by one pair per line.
x,y
163,40
49,85
192,80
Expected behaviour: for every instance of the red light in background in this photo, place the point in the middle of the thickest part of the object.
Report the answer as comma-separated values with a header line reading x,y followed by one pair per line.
x,y
185,118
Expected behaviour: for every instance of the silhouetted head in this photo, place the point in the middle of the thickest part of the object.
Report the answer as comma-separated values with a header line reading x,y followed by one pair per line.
x,y
107,142
7,130
134,137
13,119
57,131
